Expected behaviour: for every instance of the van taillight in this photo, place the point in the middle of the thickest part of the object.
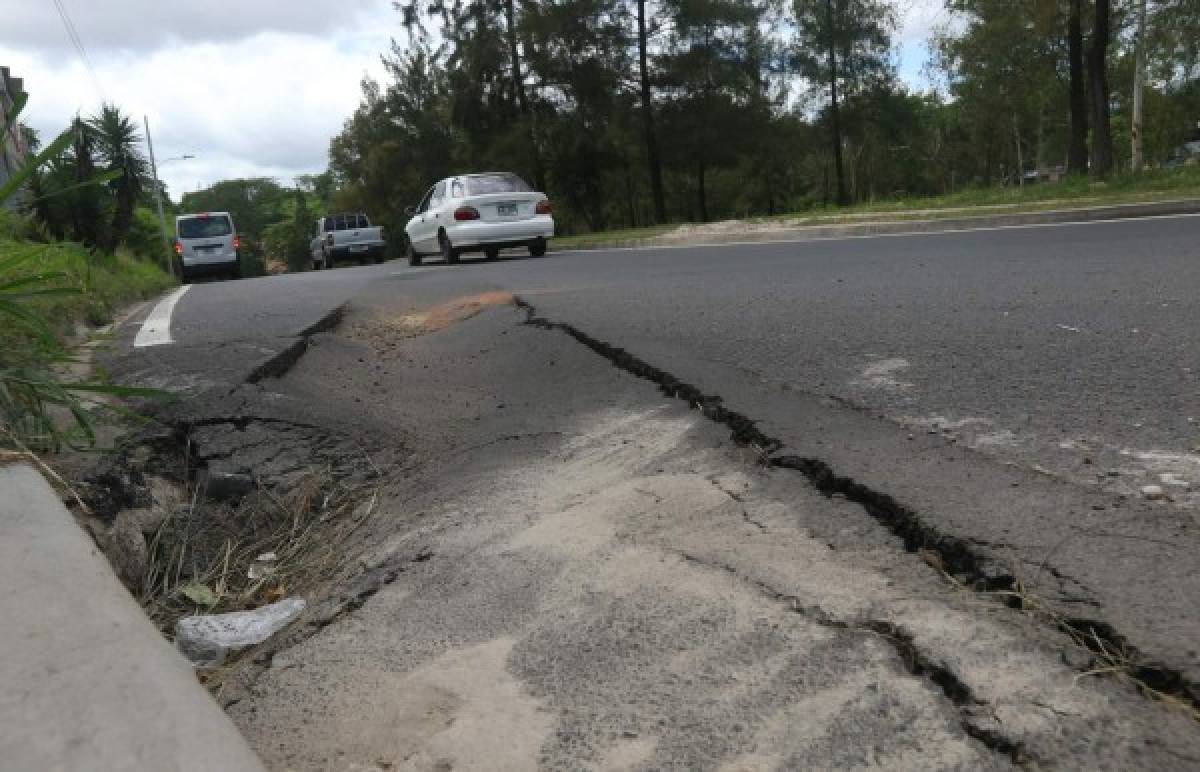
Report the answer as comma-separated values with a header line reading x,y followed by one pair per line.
x,y
466,213
237,241
178,247
543,206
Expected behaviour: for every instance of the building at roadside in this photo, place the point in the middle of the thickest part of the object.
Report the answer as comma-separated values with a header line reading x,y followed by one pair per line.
x,y
13,149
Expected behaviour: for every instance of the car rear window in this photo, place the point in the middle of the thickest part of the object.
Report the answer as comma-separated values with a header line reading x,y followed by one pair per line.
x,y
496,183
204,227
346,222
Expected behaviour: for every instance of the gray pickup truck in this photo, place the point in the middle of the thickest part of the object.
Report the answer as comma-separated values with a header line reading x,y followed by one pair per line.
x,y
344,237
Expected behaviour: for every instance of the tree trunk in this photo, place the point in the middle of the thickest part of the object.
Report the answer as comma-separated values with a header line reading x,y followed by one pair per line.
x,y
1039,151
630,195
835,119
84,206
510,18
1077,153
1139,82
651,139
1020,154
1102,149
701,196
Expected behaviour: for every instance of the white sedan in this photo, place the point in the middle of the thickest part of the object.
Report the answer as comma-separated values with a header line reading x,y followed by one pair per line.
x,y
479,213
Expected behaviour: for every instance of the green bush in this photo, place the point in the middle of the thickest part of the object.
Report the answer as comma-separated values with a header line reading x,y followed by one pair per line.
x,y
45,290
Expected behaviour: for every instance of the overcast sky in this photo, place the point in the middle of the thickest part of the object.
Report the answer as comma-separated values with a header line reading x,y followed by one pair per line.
x,y
253,87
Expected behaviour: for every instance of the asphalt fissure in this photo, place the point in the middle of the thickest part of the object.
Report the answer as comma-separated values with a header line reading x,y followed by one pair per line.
x,y
914,660
279,364
957,557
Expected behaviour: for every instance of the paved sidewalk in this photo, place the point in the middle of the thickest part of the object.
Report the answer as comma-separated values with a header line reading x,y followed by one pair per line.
x,y
89,682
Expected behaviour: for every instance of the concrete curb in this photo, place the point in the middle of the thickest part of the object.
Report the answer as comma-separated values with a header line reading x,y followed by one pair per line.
x,y
755,233
89,683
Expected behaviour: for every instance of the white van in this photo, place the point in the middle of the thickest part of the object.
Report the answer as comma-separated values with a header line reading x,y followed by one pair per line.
x,y
206,243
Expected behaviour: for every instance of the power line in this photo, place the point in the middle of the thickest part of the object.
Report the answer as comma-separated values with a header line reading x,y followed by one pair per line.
x,y
77,43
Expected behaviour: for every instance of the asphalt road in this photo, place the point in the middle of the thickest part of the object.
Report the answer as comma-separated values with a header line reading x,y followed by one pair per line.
x,y
998,398
1049,344
1020,340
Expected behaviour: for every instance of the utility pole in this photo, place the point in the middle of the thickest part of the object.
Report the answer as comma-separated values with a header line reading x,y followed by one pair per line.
x,y
1139,83
162,219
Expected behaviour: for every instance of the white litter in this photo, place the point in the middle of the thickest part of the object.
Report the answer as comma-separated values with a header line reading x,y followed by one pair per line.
x,y
1153,492
263,566
206,640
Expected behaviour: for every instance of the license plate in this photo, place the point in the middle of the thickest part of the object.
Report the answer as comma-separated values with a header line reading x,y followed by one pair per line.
x,y
358,247
506,210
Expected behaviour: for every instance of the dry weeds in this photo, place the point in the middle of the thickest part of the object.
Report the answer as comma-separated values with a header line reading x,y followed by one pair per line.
x,y
200,557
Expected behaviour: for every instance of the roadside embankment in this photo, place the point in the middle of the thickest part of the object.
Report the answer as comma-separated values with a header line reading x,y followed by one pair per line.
x,y
880,223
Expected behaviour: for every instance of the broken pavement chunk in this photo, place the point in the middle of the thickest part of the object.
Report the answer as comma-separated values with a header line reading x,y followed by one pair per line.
x,y
226,486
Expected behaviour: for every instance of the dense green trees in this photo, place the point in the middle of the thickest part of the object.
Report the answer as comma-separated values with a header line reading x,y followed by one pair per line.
x,y
68,205
842,46
629,112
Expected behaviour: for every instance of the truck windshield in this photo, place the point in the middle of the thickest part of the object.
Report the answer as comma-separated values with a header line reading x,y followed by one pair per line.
x,y
481,184
204,227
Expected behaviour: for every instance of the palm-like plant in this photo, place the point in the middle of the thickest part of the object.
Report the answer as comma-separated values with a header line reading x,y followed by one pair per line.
x,y
35,395
117,141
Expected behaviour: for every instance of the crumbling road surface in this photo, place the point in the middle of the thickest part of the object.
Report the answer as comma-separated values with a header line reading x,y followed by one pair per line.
x,y
853,503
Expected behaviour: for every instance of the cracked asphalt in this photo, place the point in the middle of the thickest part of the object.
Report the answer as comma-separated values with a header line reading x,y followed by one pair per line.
x,y
615,583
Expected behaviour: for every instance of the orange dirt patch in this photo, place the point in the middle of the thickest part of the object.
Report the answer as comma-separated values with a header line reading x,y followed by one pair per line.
x,y
439,317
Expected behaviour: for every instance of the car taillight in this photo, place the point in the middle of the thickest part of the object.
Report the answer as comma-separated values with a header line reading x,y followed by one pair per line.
x,y
466,213
543,206
178,247
237,241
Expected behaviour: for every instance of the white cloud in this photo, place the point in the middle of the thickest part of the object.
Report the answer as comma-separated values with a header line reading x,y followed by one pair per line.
x,y
151,24
918,18
261,102
917,21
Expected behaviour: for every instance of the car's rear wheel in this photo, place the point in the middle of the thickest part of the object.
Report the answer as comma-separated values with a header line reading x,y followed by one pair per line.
x,y
414,259
449,253
491,253
537,248
236,271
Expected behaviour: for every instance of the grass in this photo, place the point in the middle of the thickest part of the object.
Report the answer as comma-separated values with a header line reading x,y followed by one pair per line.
x,y
107,283
1149,186
1152,185
1107,657
47,293
611,238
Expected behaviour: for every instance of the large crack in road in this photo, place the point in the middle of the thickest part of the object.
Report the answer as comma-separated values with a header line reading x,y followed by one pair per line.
x,y
602,550
956,556
567,570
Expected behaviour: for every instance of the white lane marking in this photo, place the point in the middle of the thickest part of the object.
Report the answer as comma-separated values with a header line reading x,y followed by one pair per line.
x,y
156,330
769,242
